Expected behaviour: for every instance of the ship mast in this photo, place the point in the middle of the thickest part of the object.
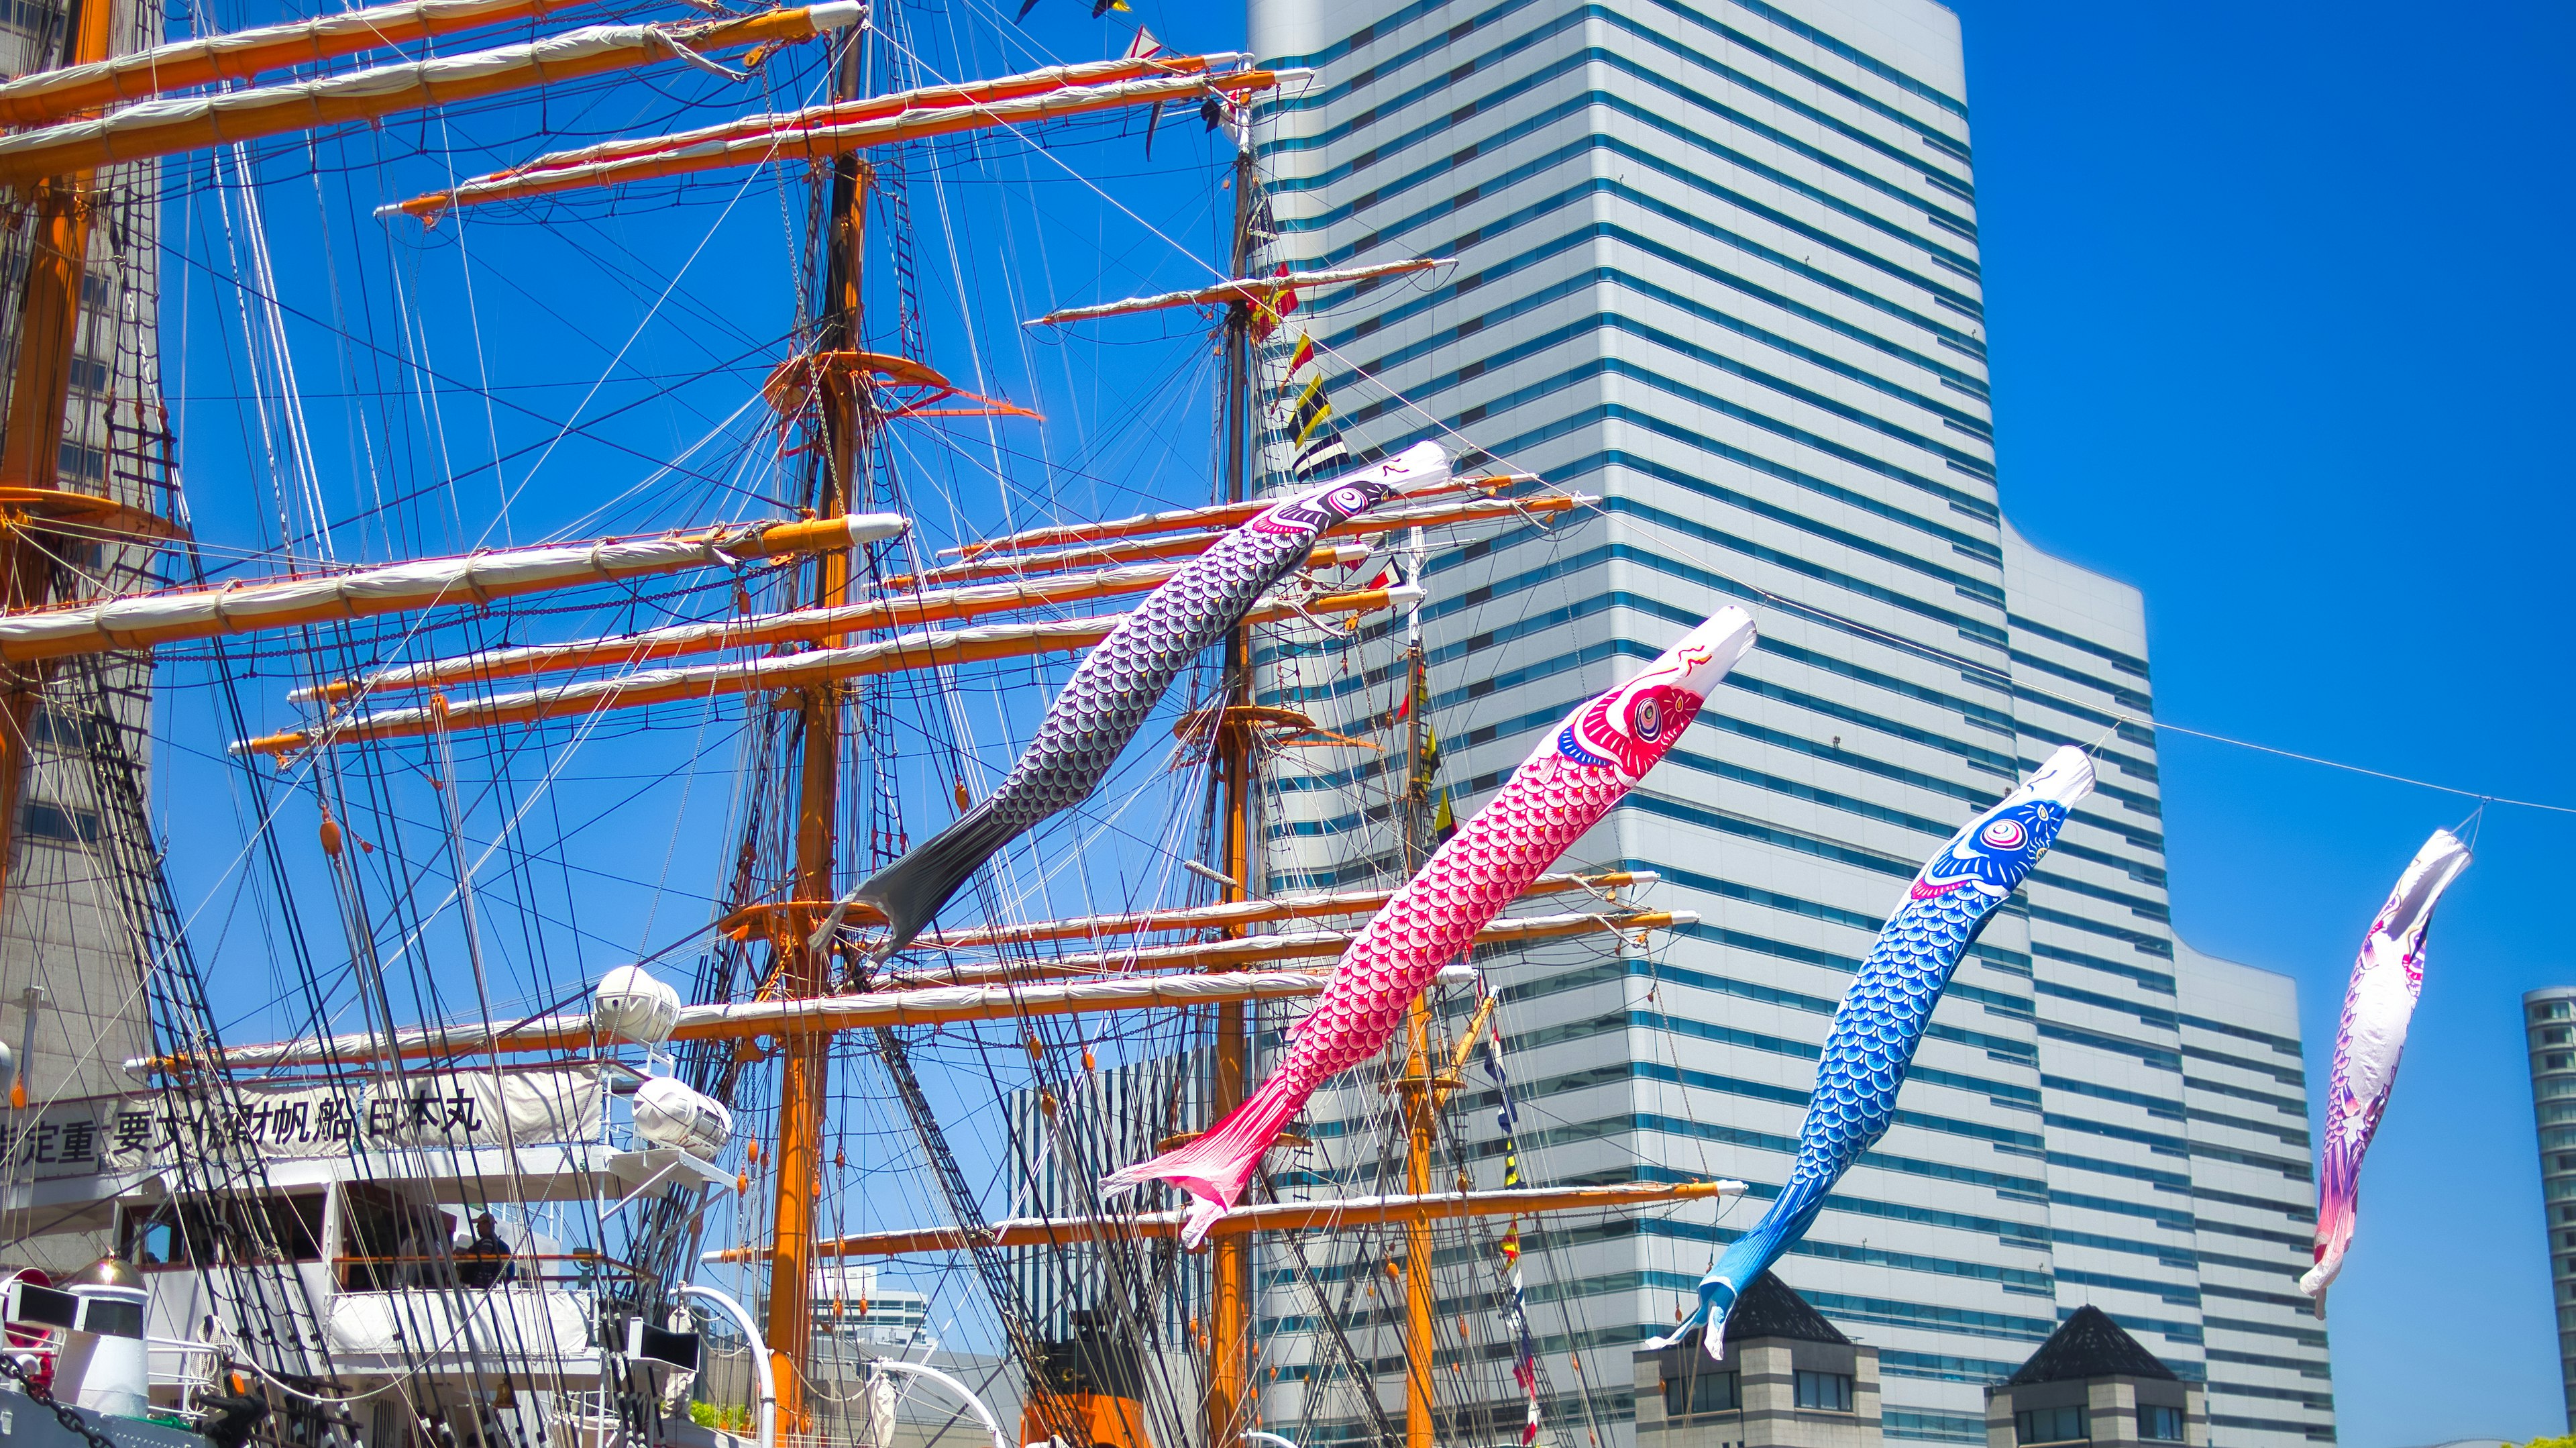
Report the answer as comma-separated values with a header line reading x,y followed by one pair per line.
x,y
39,396
805,1058
1229,1379
1417,1086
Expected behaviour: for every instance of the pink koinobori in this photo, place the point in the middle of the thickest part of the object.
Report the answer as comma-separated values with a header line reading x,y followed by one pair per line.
x,y
2377,1007
1563,789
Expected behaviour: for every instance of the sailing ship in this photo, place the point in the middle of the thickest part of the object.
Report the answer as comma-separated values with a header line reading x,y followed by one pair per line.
x,y
330,1123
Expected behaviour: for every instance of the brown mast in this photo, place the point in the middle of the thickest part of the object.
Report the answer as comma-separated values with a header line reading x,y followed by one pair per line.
x,y
1229,1381
39,395
1421,1102
805,1056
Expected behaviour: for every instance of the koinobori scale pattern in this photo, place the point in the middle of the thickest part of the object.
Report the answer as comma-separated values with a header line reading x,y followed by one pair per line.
x,y
1883,1016
1118,683
2378,1005
1563,789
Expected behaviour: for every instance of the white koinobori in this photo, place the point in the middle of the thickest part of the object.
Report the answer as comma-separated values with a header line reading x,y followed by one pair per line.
x,y
2377,1008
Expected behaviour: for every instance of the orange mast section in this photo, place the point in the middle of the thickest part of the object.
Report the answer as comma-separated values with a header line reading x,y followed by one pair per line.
x,y
39,399
1240,289
814,134
803,625
141,620
929,1006
52,95
921,650
967,94
1288,945
166,127
915,1001
1179,520
1345,1215
1002,565
741,923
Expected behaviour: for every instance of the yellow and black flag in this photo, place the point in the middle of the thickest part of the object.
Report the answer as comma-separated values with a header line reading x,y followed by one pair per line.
x,y
1314,438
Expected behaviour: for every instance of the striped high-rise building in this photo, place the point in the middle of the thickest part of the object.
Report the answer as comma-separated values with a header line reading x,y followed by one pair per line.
x,y
1717,265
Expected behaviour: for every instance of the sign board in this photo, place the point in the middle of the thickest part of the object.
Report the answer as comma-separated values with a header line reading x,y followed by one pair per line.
x,y
115,1135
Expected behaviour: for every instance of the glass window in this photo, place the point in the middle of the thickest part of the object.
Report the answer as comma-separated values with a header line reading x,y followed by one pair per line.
x,y
1826,1392
2052,1425
196,1232
2159,1424
2554,1061
387,1242
1702,1390
2554,1036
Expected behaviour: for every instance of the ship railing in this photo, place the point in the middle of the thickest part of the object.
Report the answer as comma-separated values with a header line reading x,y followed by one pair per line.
x,y
424,1268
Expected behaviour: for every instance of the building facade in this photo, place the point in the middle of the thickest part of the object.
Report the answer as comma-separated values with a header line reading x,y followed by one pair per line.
x,y
85,907
1716,265
2549,1024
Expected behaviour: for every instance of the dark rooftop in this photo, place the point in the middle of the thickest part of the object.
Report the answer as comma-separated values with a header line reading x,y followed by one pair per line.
x,y
2087,1345
1770,1308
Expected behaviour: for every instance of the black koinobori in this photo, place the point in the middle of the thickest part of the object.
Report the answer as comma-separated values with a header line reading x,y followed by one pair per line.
x,y
1118,683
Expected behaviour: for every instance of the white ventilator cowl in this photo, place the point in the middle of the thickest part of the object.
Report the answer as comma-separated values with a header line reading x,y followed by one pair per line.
x,y
633,1005
875,527
669,1113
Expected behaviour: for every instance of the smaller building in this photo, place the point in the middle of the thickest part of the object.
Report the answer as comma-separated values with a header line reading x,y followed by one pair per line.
x,y
2549,1027
2092,1384
850,1304
1790,1379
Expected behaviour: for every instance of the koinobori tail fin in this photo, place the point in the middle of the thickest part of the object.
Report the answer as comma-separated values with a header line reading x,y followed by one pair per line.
x,y
1708,1318
1216,1167
911,890
2314,1283
2334,1226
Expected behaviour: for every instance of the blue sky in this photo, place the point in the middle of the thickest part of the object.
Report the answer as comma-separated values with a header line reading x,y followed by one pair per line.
x,y
2276,297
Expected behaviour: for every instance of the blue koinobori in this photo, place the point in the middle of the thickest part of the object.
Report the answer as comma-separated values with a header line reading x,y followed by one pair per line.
x,y
1883,1017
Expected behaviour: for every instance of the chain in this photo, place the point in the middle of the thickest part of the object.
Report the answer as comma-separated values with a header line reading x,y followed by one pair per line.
x,y
69,1419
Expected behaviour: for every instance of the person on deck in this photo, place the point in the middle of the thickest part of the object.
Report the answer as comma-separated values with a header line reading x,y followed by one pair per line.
x,y
485,1261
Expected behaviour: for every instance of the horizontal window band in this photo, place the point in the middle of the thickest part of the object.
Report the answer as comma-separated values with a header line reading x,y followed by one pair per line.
x,y
1592,369
2286,1075
1558,982
1706,357
2283,1044
2138,940
1941,294
1461,284
2160,1057
2126,663
1415,303
1443,129
2161,981
2289,1105
1439,87
2147,1015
